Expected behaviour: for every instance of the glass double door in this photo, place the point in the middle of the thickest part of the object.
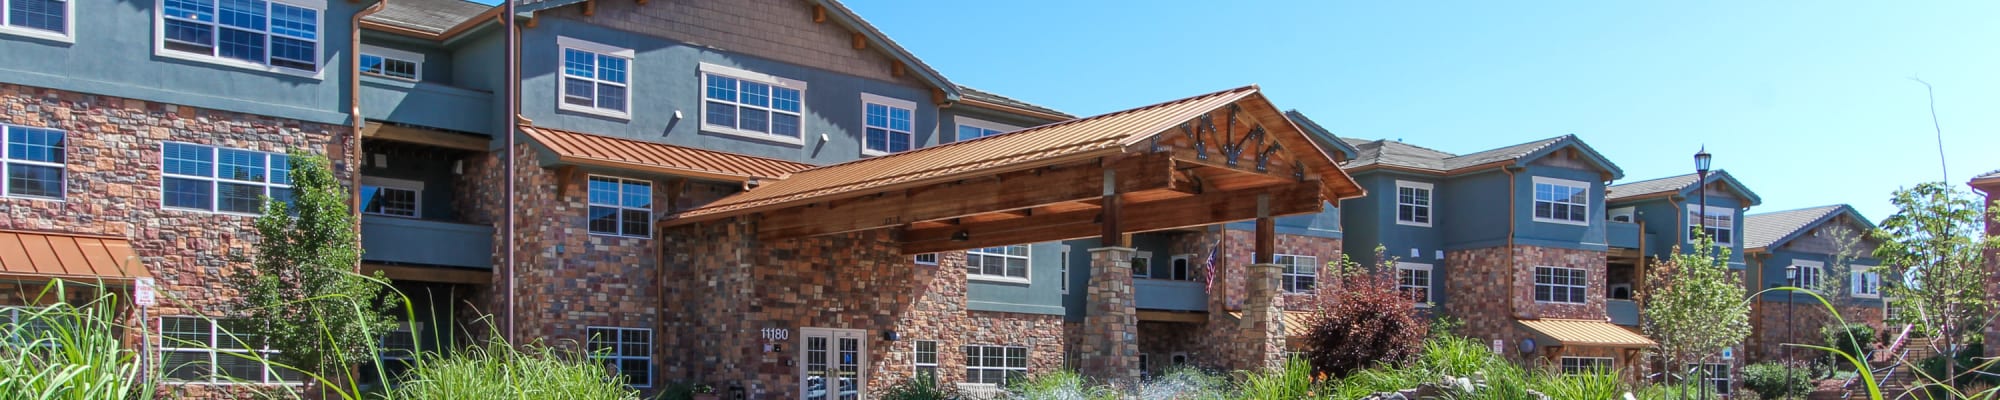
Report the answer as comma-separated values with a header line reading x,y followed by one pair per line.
x,y
835,361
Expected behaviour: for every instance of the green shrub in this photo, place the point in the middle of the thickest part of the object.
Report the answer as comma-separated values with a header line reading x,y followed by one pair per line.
x,y
1596,384
1852,338
1185,383
1058,385
1293,381
1773,380
77,355
501,371
920,389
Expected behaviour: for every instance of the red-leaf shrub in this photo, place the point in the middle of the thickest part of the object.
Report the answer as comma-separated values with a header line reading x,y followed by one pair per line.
x,y
1361,320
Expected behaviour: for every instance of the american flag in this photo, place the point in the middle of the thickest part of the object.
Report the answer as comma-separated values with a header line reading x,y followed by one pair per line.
x,y
1209,266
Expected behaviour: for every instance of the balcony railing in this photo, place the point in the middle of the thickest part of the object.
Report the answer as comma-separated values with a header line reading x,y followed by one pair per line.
x,y
1162,294
420,242
427,104
1623,234
1623,312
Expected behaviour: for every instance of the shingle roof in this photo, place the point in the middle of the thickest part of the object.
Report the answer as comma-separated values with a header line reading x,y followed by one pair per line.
x,y
990,97
1020,149
618,152
1989,175
433,16
1321,134
1650,186
1762,230
1412,156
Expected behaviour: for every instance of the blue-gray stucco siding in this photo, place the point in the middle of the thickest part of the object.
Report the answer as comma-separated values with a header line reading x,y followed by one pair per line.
x,y
1042,294
1771,267
1530,232
1667,223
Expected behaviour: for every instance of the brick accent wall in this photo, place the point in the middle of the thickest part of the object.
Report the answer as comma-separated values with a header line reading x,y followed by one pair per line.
x,y
1489,293
1223,342
786,32
1992,266
113,177
1770,328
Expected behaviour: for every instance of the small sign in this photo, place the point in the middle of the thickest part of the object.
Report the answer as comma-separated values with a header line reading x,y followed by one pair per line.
x,y
776,334
1728,354
143,293
1499,346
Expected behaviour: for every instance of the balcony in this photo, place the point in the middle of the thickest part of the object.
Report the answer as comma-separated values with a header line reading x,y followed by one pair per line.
x,y
1623,234
1623,312
1170,295
427,104
421,242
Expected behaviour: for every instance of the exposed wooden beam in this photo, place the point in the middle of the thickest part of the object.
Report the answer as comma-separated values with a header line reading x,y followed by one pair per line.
x,y
380,131
1013,191
430,274
1209,208
1173,316
860,42
1267,234
819,13
1107,217
589,7
533,18
896,68
642,2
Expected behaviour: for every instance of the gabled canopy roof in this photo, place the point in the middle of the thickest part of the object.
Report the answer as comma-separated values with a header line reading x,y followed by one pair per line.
x,y
606,151
1676,185
1396,154
1069,141
1773,229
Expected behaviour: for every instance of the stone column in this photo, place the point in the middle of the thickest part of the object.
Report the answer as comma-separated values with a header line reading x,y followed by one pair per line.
x,y
1263,325
1110,348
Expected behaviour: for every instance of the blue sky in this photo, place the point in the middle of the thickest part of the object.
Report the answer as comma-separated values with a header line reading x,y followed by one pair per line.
x,y
1808,103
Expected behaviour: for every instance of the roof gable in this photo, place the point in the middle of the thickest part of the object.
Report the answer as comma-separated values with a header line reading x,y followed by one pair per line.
x,y
434,18
1682,185
1774,229
1320,135
1407,156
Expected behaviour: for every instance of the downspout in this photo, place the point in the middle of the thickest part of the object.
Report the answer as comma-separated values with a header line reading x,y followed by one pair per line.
x,y
512,97
1512,264
354,111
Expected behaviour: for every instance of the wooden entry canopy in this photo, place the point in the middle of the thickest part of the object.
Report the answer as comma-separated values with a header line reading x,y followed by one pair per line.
x,y
1218,157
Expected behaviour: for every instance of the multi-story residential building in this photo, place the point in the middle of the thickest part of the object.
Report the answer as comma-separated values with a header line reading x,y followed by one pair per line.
x,y
1989,184
1512,241
1661,216
1817,248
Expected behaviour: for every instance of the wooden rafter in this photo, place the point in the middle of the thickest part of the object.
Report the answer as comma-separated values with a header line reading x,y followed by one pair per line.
x,y
1207,208
860,41
1008,192
819,13
589,7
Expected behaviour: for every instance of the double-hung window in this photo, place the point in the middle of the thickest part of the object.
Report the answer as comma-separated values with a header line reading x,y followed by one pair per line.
x,y
1415,282
621,207
969,128
33,162
925,259
24,327
281,36
1806,274
926,361
1561,285
889,125
753,105
626,350
596,78
1865,282
1586,365
1002,263
392,197
995,365
1718,222
46,19
1301,273
219,179
1413,203
1562,201
194,349
392,63
1717,376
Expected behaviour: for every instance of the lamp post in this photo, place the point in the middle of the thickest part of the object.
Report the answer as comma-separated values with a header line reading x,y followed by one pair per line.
x,y
1701,164
1791,279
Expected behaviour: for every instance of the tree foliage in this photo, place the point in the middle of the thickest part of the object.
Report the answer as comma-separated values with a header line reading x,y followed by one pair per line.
x,y
1934,250
1362,319
301,294
1695,307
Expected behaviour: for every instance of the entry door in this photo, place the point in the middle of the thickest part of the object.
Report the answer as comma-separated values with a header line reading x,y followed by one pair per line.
x,y
835,364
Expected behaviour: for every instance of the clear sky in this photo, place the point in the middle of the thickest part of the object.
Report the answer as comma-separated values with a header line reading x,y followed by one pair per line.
x,y
1808,103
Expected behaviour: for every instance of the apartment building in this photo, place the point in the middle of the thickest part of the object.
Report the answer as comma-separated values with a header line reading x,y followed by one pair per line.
x,y
1826,249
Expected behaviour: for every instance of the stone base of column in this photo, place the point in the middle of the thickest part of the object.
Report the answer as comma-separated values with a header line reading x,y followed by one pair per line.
x,y
1263,324
1110,347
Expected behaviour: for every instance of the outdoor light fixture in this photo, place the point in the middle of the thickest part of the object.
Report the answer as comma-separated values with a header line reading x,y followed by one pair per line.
x,y
1701,160
1792,272
961,236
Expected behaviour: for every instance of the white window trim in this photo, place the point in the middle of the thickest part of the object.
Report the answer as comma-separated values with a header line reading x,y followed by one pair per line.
x,y
652,343
876,99
1818,274
320,42
1143,255
1562,367
1730,379
1543,180
978,123
1858,272
1004,279
1717,211
403,184
214,168
936,354
1064,269
650,215
68,35
919,259
563,43
701,96
6,189
1430,203
1177,258
1430,280
388,53
1285,273
1185,359
1585,285
1026,353
216,334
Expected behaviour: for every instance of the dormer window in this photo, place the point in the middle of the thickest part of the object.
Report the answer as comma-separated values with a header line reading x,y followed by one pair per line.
x,y
1562,201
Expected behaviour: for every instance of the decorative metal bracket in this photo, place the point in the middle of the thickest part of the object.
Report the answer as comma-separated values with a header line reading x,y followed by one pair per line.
x,y
1235,151
1264,158
1193,130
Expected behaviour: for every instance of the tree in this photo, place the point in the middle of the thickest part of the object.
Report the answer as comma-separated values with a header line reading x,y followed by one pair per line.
x,y
1362,319
300,294
1935,245
1695,307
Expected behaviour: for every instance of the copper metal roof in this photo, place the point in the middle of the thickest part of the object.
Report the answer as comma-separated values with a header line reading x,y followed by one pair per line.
x,y
33,255
614,152
1578,332
1297,323
1029,148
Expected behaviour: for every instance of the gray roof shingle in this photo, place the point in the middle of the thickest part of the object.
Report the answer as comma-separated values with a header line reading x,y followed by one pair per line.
x,y
1412,156
433,16
990,97
1988,175
1763,230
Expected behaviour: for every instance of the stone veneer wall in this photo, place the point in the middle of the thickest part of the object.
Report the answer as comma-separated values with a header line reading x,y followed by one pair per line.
x,y
1770,328
113,180
728,287
1489,293
1223,342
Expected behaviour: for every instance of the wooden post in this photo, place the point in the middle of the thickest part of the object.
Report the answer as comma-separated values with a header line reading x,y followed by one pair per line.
x,y
1112,236
1267,232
